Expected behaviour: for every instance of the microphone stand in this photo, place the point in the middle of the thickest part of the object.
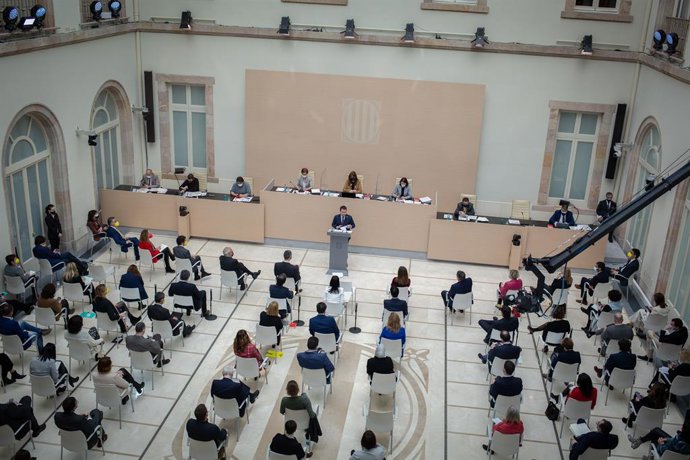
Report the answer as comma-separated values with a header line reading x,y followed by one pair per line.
x,y
299,322
210,316
354,329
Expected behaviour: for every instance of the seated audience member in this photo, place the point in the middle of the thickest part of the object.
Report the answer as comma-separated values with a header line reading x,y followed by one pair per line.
x,y
121,378
93,223
625,271
352,183
507,385
200,429
191,184
587,285
41,251
154,345
119,312
595,310
675,333
503,349
393,330
315,358
132,279
507,323
464,208
23,454
322,323
121,240
583,390
16,414
655,399
185,288
59,306
13,268
615,331
563,280
286,444
659,310
624,359
304,181
371,450
47,364
22,329
287,268
75,331
395,304
69,420
279,291
510,424
17,307
334,293
403,190
402,279
150,180
463,286
72,276
158,312
244,348
563,215
229,388
514,283
557,325
145,244
271,317
240,189
564,354
229,264
7,367
666,374
599,439
662,441
181,252
296,401
380,363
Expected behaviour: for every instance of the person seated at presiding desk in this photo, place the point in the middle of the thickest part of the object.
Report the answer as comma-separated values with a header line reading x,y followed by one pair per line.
x,y
157,254
403,190
279,291
119,312
200,429
191,184
322,323
315,358
463,286
352,183
395,304
599,439
41,251
154,345
563,216
181,252
229,264
158,312
93,223
507,323
124,242
371,450
503,349
380,363
624,359
132,279
587,285
506,385
185,288
150,180
229,388
240,189
16,414
623,273
343,220
69,420
464,208
304,181
289,269
286,444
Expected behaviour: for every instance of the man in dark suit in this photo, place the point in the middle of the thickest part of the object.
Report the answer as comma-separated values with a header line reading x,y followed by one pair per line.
x,y
227,388
587,285
87,424
191,184
380,363
322,323
507,323
463,286
508,385
503,349
158,312
675,333
24,330
184,287
343,220
200,429
41,251
230,264
181,252
286,444
599,439
153,345
395,304
124,242
288,269
623,274
564,355
605,209
563,215
315,358
464,208
16,414
279,291
624,359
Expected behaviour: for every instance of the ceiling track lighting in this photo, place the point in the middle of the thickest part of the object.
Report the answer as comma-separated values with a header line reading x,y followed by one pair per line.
x,y
115,7
96,9
10,16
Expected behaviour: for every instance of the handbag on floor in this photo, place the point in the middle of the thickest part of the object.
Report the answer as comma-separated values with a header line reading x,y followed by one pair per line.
x,y
552,412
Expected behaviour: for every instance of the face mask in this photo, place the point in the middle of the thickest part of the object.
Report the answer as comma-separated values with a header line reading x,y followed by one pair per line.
x,y
95,216
629,254
116,223
148,177
107,291
16,260
596,269
240,184
184,244
403,184
305,175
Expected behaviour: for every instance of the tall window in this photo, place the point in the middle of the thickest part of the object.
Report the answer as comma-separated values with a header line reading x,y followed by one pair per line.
x,y
28,181
596,5
106,123
188,121
679,292
572,158
649,163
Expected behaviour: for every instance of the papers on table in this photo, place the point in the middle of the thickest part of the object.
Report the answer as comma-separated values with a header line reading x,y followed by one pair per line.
x,y
448,216
581,227
284,189
194,194
382,198
159,190
316,191
359,195
246,199
578,429
513,222
336,194
425,200
338,274
482,219
408,201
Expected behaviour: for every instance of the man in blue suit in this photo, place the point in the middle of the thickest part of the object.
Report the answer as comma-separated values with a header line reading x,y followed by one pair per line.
x,y
395,304
463,286
508,385
24,330
322,323
624,359
41,251
279,291
314,358
184,287
503,349
343,220
227,388
599,439
563,216
124,243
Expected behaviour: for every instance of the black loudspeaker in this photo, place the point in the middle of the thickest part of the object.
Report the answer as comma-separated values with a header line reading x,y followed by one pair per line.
x,y
615,139
148,102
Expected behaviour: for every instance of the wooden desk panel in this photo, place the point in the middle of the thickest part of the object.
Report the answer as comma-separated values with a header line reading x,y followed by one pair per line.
x,y
140,210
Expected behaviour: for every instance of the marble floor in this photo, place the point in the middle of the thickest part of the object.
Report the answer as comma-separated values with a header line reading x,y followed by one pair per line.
x,y
441,402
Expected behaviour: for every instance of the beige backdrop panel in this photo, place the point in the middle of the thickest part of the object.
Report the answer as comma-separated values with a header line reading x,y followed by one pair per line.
x,y
382,128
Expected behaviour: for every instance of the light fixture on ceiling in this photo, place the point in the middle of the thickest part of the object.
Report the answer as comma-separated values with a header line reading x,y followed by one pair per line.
x,y
586,46
284,28
480,38
349,32
96,9
115,7
38,12
409,33
186,20
10,16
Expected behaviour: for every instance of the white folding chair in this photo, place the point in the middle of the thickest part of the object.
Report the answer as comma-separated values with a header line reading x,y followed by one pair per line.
x,y
505,445
595,454
276,456
301,418
666,351
394,348
574,410
679,387
620,380
43,385
104,323
612,347
495,336
184,264
337,310
560,296
73,292
111,396
667,455
552,339
384,384
601,291
229,279
7,437
16,286
113,245
75,441
564,373
204,450
647,418
100,273
46,318
249,368
329,344
78,351
266,336
462,302
228,409
655,323
130,295
316,378
32,265
143,361
183,302
13,345
404,293
502,403
495,367
50,270
381,422
166,331
604,319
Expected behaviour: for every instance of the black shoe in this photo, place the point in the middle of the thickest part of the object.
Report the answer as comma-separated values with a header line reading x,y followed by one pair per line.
x,y
169,270
482,358
598,371
584,310
118,339
643,357
197,277
17,376
189,312
73,380
253,396
163,363
125,400
460,311
588,334
38,430
554,397
205,274
256,274
545,349
102,440
242,287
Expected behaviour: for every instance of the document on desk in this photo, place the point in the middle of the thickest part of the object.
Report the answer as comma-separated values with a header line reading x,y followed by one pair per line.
x,y
246,199
513,222
140,190
316,191
580,227
382,198
425,200
159,190
482,219
408,201
578,429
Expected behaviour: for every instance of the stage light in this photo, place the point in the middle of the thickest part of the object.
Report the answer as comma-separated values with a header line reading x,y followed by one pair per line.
x,y
409,33
92,140
649,182
27,23
671,43
480,38
96,9
186,20
284,28
659,40
10,16
38,12
586,46
349,32
115,7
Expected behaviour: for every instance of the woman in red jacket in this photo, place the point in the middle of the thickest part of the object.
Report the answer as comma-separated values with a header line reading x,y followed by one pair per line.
x,y
156,254
584,391
511,424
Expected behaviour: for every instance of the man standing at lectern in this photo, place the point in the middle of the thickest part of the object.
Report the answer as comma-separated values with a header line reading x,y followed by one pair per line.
x,y
343,220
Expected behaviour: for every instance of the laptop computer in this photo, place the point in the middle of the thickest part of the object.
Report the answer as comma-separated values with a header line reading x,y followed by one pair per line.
x,y
348,195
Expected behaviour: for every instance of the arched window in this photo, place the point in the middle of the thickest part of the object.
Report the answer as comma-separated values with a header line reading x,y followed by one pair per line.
x,y
105,121
649,163
28,181
679,290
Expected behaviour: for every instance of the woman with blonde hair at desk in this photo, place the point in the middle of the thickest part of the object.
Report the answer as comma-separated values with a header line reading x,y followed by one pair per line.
x,y
352,184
